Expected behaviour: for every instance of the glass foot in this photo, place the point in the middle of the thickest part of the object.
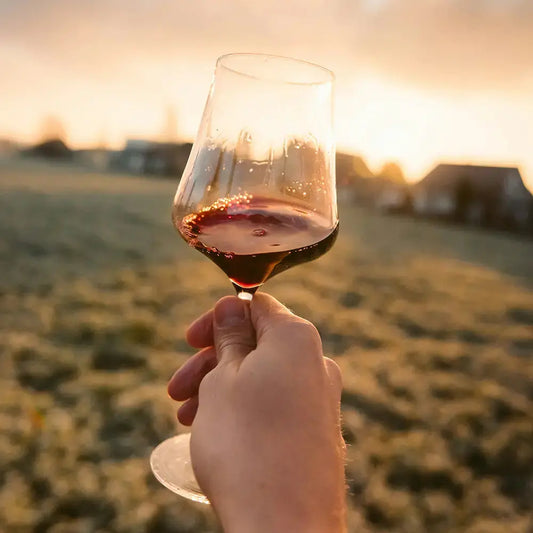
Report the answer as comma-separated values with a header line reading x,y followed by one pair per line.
x,y
171,465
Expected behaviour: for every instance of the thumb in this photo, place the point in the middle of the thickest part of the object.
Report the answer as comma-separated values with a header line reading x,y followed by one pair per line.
x,y
233,332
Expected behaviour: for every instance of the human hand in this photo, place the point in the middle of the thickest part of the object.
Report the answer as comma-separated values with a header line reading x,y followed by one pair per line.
x,y
264,405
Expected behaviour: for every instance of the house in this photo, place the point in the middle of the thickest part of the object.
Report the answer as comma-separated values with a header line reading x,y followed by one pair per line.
x,y
133,156
141,156
356,184
94,158
8,148
486,195
350,167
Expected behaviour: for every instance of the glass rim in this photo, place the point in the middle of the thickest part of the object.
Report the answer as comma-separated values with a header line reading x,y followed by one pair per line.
x,y
327,76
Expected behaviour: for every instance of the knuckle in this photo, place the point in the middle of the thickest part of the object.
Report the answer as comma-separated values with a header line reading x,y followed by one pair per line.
x,y
303,331
301,337
334,372
234,341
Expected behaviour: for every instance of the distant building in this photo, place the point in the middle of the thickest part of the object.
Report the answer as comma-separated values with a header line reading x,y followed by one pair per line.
x,y
393,197
357,184
94,158
350,167
141,156
352,172
8,148
493,196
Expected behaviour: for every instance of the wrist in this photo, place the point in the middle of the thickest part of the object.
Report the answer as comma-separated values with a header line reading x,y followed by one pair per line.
x,y
267,516
283,521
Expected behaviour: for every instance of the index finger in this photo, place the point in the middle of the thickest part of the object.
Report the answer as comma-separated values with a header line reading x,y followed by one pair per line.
x,y
200,333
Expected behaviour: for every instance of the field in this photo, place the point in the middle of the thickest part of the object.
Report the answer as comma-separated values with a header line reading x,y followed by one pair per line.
x,y
432,326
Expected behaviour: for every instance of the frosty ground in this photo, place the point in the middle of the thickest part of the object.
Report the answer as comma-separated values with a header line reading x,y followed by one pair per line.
x,y
432,326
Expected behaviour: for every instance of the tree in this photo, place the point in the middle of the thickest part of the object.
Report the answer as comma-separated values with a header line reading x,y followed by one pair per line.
x,y
393,172
169,133
52,128
102,143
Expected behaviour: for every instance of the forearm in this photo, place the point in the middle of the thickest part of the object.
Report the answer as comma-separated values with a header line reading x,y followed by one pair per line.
x,y
298,510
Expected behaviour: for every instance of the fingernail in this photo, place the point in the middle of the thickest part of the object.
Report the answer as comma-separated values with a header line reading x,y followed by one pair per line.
x,y
229,312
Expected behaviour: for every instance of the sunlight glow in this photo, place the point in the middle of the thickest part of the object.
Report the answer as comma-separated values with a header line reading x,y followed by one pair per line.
x,y
416,128
376,118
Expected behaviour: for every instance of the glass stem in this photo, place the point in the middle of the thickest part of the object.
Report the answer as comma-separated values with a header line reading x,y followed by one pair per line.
x,y
244,294
247,296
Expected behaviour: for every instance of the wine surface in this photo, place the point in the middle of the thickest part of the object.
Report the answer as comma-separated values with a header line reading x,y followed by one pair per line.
x,y
252,239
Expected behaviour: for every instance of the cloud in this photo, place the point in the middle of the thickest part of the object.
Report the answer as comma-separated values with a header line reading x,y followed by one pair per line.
x,y
485,45
449,44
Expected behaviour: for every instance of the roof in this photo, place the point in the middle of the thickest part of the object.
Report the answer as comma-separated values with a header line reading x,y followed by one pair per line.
x,y
482,178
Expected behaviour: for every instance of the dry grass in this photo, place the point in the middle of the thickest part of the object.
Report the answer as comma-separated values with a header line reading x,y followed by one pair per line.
x,y
432,326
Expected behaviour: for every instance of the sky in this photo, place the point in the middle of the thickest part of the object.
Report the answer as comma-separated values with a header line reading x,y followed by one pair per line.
x,y
417,81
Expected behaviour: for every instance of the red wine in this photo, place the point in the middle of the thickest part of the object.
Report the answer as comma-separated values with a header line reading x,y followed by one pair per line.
x,y
252,239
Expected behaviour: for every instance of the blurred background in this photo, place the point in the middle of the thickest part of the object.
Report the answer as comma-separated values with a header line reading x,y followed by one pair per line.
x,y
426,301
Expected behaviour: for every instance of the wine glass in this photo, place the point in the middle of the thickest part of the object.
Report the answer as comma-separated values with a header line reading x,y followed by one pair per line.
x,y
257,195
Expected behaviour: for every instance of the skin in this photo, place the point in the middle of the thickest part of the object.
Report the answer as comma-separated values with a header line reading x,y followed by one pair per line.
x,y
264,405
